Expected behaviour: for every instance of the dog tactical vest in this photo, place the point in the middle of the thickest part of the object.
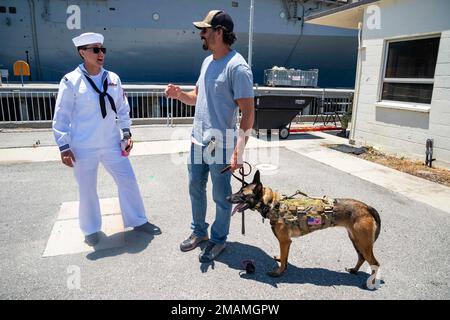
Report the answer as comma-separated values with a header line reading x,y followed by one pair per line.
x,y
308,214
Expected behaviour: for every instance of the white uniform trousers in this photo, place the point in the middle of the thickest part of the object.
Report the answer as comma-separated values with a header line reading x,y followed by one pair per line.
x,y
85,171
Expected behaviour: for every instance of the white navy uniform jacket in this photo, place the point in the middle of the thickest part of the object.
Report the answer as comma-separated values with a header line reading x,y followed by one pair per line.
x,y
78,121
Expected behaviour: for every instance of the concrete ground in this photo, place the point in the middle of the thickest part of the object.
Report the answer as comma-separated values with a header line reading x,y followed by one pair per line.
x,y
413,247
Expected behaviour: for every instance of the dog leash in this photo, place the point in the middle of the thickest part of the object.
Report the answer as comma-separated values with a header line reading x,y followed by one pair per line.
x,y
241,171
296,193
242,180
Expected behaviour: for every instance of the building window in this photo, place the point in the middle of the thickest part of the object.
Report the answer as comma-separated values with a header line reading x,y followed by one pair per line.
x,y
409,71
2,9
12,10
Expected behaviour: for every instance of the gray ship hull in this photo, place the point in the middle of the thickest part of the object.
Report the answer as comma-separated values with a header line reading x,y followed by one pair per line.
x,y
168,49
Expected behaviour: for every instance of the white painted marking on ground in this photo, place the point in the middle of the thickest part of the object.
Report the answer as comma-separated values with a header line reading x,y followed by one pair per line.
x,y
67,238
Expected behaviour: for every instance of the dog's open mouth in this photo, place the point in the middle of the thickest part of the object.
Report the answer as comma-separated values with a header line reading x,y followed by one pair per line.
x,y
240,207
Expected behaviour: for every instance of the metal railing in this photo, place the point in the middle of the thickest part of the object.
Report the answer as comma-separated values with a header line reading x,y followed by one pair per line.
x,y
22,106
149,102
324,100
145,105
26,106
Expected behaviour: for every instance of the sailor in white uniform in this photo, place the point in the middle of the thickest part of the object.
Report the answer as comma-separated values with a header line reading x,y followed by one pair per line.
x,y
86,131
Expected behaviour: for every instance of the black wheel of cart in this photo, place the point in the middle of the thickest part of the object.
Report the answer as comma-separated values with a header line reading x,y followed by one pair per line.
x,y
284,132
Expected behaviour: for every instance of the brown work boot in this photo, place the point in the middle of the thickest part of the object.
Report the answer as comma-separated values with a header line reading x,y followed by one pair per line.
x,y
211,252
192,242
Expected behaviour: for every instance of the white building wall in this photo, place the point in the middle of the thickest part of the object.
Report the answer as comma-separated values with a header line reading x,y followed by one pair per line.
x,y
405,132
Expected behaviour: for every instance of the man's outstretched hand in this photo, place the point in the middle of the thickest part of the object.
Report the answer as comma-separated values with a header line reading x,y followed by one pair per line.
x,y
172,91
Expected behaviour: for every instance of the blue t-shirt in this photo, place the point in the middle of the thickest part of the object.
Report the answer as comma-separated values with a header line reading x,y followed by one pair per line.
x,y
220,84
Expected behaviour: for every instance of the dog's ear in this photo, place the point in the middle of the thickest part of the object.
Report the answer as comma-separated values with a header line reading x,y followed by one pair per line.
x,y
258,190
256,177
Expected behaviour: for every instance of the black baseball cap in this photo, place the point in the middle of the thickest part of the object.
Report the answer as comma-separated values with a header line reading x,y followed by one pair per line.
x,y
216,18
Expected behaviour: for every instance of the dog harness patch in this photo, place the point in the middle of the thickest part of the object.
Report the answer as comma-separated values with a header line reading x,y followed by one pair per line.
x,y
307,214
314,220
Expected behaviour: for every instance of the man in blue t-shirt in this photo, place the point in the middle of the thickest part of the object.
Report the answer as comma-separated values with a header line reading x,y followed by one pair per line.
x,y
225,83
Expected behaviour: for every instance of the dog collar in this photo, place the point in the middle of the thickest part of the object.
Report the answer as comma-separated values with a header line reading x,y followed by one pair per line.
x,y
265,209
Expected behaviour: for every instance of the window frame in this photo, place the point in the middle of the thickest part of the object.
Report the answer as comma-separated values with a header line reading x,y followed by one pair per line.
x,y
404,104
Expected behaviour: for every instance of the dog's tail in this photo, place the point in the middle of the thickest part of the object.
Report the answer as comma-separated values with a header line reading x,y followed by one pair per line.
x,y
376,216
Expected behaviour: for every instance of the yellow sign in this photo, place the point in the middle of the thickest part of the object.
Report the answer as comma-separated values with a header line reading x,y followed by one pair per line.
x,y
21,68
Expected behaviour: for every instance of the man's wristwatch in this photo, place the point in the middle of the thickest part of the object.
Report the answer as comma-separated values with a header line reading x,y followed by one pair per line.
x,y
126,134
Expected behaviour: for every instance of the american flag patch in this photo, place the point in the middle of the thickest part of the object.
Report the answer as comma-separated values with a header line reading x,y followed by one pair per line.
x,y
314,220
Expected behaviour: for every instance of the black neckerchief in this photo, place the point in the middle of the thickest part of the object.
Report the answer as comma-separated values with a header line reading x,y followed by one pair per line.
x,y
102,95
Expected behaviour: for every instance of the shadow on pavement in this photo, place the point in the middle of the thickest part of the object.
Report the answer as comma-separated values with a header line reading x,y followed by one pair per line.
x,y
292,136
302,136
235,252
135,242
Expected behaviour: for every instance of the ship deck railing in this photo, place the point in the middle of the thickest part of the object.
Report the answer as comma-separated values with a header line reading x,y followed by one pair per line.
x,y
35,103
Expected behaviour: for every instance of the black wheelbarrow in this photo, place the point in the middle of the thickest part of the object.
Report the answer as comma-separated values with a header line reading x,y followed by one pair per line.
x,y
277,113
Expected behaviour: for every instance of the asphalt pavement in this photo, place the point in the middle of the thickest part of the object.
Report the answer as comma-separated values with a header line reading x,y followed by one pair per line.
x,y
413,247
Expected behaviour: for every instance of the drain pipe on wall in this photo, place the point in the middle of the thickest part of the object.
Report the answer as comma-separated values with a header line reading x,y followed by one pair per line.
x,y
37,60
429,153
351,139
250,35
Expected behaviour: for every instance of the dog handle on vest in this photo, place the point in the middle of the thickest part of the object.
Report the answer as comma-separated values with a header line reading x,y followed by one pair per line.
x,y
242,180
296,193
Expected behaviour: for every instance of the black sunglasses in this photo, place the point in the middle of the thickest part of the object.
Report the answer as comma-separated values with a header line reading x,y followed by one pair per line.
x,y
96,49
203,30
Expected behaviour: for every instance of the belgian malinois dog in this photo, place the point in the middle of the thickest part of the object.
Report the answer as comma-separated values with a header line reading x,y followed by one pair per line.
x,y
361,221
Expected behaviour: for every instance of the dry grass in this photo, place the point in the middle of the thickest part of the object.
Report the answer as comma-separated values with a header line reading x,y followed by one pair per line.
x,y
416,168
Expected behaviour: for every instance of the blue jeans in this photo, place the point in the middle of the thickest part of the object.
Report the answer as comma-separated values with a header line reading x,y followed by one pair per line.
x,y
198,168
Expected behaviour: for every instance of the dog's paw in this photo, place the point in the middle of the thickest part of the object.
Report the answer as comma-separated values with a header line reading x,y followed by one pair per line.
x,y
351,270
273,274
370,287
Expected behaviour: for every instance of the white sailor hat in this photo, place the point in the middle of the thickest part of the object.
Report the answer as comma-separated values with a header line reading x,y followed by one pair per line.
x,y
87,38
